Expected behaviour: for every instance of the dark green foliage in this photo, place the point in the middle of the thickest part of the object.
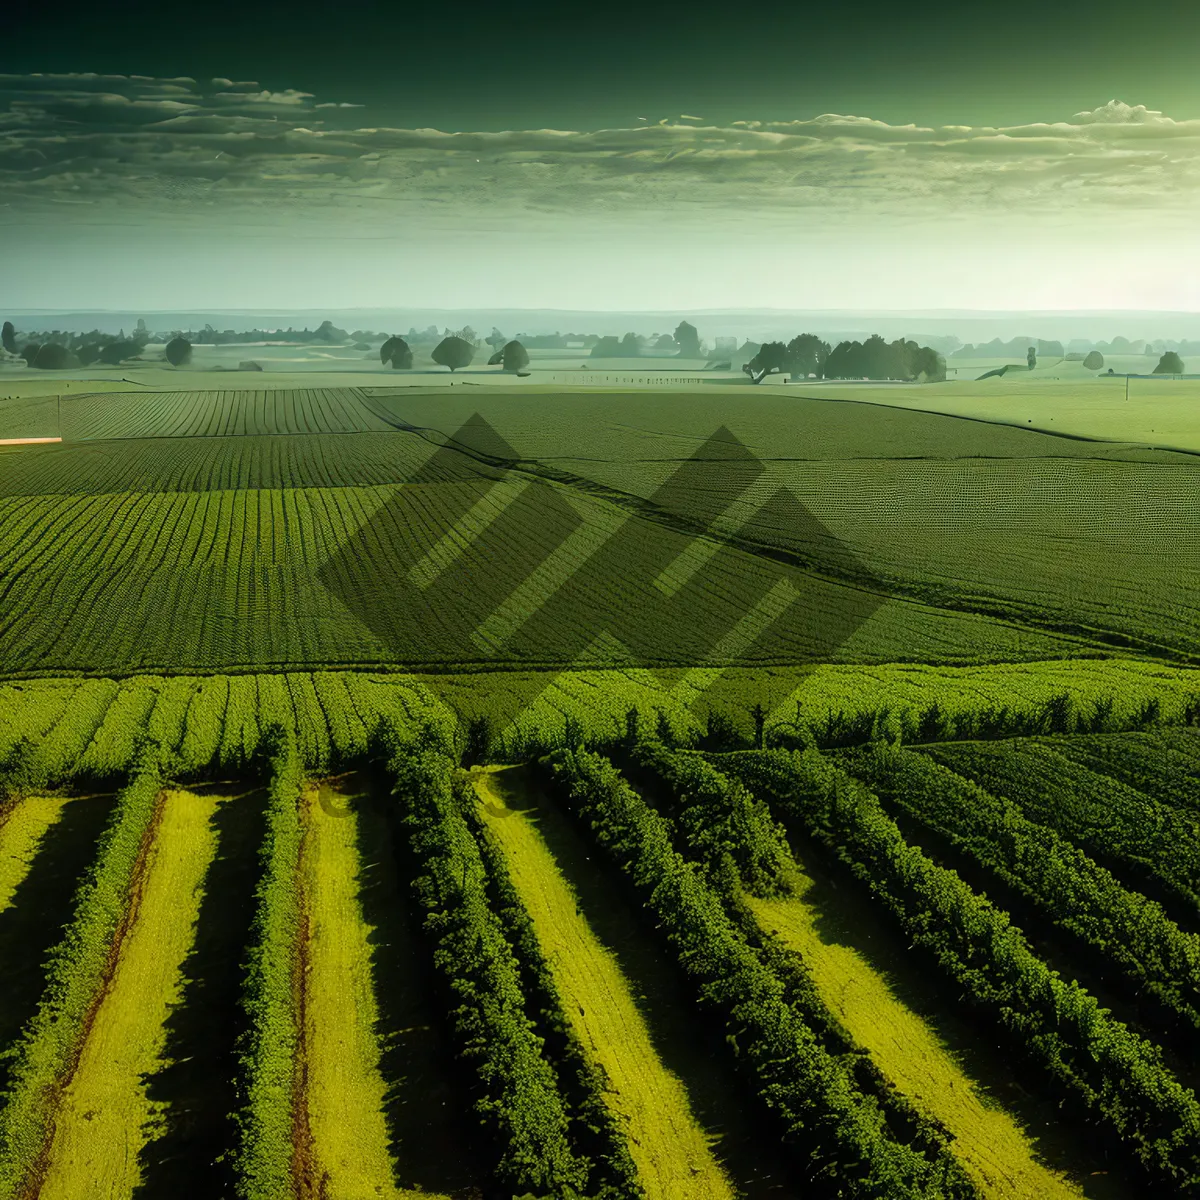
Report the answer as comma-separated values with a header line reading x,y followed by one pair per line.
x,y
8,337
687,338
607,347
771,357
29,352
1169,364
116,353
271,1042
1123,928
720,822
806,355
453,352
396,350
841,1132
179,352
88,353
1031,357
521,1103
1097,1061
514,356
1094,360
877,359
1149,844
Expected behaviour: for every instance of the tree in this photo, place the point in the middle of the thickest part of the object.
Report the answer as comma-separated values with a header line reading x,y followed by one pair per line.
x,y
8,337
631,346
1169,364
30,351
1094,360
179,351
326,332
1031,357
806,355
514,356
496,339
606,347
397,352
453,352
1050,349
88,353
116,352
53,357
688,339
666,342
771,357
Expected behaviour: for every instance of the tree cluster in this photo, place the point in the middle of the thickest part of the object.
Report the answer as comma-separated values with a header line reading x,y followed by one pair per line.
x,y
875,358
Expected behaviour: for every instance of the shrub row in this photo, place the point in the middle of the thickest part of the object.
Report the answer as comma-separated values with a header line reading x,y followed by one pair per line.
x,y
1071,890
1115,1075
1161,764
1152,843
719,821
720,812
521,1104
842,1133
614,1176
76,976
271,1042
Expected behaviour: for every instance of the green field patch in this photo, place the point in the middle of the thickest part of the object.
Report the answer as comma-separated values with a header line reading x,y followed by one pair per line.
x,y
24,822
345,1091
193,1088
104,1116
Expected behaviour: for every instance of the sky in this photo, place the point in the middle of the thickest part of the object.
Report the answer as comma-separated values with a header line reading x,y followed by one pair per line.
x,y
864,157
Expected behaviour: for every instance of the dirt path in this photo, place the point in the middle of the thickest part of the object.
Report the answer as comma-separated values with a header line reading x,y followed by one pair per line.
x,y
670,1150
349,1152
23,824
990,1144
104,1117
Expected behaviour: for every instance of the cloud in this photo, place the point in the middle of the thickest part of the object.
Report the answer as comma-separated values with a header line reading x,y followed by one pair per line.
x,y
175,149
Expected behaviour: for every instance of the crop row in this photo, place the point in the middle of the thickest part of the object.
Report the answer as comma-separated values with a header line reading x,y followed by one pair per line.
x,y
1147,843
1101,1064
242,412
1122,928
521,1102
838,1129
76,975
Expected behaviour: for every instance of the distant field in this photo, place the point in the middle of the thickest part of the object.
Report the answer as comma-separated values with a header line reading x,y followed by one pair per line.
x,y
297,528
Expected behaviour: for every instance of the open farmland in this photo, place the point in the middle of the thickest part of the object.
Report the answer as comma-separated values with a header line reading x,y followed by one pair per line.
x,y
593,793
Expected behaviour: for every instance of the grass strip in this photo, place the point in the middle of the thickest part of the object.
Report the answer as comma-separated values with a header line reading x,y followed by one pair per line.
x,y
645,1106
78,972
346,1091
105,1117
24,821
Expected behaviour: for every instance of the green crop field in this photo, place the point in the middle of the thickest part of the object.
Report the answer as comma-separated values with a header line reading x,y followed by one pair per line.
x,y
598,792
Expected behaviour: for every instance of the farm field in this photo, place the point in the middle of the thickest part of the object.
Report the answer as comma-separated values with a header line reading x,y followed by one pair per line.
x,y
937,1115
882,535
596,792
